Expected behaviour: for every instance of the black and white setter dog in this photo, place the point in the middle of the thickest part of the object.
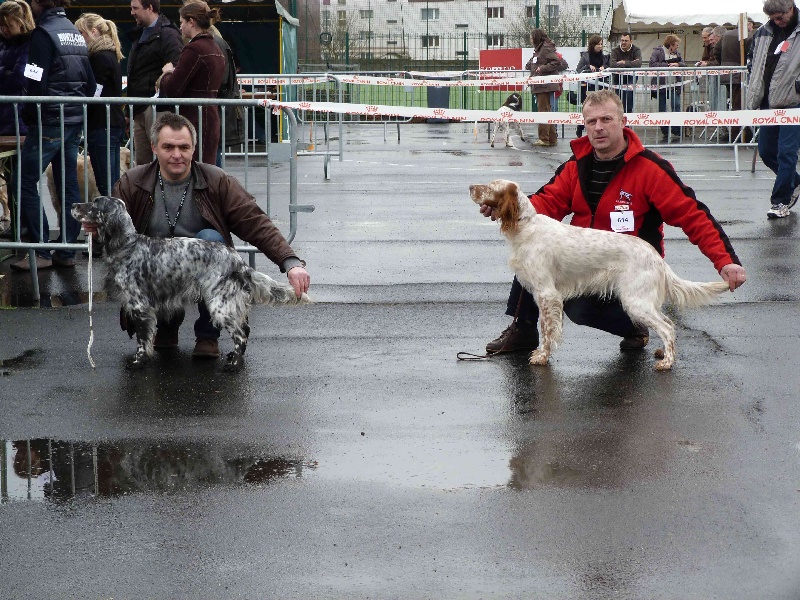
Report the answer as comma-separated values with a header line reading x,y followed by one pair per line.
x,y
512,104
154,278
555,261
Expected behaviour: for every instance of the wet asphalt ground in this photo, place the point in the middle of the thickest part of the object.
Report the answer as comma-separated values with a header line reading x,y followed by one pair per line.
x,y
355,457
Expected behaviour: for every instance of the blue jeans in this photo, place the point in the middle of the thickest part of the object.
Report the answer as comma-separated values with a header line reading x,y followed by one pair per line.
x,y
778,146
31,203
203,328
674,106
104,154
605,314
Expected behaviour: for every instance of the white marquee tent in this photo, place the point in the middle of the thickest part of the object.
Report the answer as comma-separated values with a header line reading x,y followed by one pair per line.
x,y
649,21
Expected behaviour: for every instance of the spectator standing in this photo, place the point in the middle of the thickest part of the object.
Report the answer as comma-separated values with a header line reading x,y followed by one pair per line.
x,y
717,98
233,116
198,74
774,76
593,60
545,61
103,141
16,26
156,41
667,55
625,56
58,65
730,56
708,49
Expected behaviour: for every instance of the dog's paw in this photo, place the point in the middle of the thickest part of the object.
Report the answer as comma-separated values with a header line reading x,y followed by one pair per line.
x,y
539,358
233,363
663,365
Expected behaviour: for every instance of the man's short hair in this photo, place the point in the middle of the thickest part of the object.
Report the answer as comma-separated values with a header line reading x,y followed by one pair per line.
x,y
603,97
174,122
708,30
154,4
627,35
719,31
47,4
772,7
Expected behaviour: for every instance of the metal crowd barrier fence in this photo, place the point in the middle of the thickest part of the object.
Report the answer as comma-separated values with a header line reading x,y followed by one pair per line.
x,y
11,150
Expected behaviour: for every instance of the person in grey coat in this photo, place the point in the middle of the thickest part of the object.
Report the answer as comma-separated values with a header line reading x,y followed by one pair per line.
x,y
774,75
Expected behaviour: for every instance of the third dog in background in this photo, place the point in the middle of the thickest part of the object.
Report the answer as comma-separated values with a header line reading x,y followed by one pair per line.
x,y
512,104
93,192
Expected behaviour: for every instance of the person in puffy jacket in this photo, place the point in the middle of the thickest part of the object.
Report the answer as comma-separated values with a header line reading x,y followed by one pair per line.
x,y
593,60
58,66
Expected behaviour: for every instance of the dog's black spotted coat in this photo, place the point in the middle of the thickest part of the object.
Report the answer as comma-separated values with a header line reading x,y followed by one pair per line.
x,y
154,278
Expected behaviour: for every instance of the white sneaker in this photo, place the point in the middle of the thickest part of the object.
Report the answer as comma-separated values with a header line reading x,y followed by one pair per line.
x,y
794,197
778,211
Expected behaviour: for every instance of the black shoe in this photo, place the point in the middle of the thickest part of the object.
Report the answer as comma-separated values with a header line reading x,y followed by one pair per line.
x,y
517,336
636,340
166,339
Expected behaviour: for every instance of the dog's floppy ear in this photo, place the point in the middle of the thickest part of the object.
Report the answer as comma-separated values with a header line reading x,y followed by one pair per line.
x,y
508,207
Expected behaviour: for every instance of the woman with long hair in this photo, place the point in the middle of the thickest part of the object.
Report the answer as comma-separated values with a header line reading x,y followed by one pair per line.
x,y
592,61
16,25
545,61
198,74
103,141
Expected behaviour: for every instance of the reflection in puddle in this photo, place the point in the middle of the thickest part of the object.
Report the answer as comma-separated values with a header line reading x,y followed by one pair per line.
x,y
57,470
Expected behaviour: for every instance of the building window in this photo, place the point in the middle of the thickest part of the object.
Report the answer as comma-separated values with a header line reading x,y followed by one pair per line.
x,y
341,16
495,40
530,12
366,35
342,2
392,21
552,15
590,10
366,56
495,12
326,19
430,41
366,14
430,14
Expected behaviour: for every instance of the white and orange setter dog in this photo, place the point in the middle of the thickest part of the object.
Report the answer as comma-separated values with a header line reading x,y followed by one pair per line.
x,y
555,262
512,104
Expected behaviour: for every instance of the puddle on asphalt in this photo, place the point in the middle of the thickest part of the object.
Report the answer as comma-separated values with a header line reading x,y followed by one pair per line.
x,y
30,359
57,471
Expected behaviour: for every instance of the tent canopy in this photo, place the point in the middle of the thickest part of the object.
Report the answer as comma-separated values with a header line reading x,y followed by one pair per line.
x,y
648,22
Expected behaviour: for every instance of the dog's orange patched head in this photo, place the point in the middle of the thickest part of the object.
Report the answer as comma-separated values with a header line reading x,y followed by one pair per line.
x,y
503,197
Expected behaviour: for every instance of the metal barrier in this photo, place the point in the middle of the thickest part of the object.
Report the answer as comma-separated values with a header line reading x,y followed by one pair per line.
x,y
11,164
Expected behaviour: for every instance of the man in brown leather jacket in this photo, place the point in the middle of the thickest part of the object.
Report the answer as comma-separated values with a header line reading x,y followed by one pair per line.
x,y
176,196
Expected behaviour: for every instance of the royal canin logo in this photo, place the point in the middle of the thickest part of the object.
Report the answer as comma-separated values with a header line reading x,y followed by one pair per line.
x,y
780,113
642,116
305,105
372,109
439,112
711,114
574,115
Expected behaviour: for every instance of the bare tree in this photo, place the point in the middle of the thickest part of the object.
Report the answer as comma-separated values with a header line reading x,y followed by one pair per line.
x,y
565,30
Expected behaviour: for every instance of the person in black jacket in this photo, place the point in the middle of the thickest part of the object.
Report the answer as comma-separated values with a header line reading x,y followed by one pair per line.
x,y
58,65
156,41
106,124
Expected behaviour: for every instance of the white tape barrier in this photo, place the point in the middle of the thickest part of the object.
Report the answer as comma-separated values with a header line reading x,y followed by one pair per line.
x,y
740,118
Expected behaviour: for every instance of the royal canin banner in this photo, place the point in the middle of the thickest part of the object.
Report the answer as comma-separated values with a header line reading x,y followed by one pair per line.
x,y
507,60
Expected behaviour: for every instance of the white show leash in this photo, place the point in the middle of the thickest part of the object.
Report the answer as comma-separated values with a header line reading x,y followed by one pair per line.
x,y
91,293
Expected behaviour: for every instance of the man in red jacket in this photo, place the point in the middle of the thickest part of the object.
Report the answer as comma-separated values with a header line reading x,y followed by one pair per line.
x,y
611,173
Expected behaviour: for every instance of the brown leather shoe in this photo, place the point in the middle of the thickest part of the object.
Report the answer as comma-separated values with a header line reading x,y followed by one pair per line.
x,y
636,341
517,336
206,349
24,265
166,339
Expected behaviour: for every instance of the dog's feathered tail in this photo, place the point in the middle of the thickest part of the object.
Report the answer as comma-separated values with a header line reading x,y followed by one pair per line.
x,y
690,294
265,290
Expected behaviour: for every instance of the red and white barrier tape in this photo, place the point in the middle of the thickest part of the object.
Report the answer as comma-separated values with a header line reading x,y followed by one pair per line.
x,y
739,118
